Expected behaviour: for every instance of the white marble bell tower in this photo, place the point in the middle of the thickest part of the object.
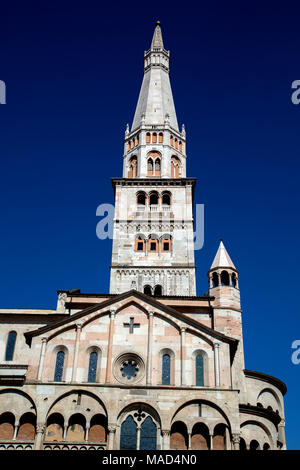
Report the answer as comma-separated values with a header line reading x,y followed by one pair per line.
x,y
153,247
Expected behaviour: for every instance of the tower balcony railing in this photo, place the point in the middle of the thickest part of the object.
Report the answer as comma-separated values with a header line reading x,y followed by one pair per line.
x,y
154,207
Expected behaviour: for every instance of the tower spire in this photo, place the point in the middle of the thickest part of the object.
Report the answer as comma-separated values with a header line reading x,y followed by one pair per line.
x,y
155,99
222,258
157,41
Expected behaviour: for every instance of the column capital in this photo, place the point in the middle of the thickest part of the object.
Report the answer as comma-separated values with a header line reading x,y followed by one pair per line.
x,y
79,325
40,428
112,427
44,339
216,345
166,432
112,312
282,423
236,438
183,329
151,313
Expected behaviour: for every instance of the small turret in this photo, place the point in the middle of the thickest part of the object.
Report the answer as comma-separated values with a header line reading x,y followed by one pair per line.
x,y
223,279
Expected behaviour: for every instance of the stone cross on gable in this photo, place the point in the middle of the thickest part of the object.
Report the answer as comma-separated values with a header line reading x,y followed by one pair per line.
x,y
131,325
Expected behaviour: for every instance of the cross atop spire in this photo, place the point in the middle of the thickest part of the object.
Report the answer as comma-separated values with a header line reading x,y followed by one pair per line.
x,y
222,258
157,41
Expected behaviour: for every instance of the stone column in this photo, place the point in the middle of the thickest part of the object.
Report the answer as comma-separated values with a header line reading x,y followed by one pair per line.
x,y
149,350
42,358
77,342
189,439
182,337
39,436
281,432
166,439
138,438
109,346
17,424
87,430
111,436
217,364
236,441
65,432
211,442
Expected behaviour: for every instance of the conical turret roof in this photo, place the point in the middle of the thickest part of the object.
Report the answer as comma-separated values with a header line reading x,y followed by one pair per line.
x,y
222,258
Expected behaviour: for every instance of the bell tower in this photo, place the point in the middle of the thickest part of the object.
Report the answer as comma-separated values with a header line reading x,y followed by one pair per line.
x,y
153,246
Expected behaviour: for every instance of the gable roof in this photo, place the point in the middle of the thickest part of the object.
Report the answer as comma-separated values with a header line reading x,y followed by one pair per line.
x,y
151,301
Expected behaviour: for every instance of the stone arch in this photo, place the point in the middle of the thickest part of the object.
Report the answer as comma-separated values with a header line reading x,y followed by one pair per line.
x,y
76,428
17,406
260,425
181,404
265,400
178,436
27,427
54,427
67,403
7,425
200,436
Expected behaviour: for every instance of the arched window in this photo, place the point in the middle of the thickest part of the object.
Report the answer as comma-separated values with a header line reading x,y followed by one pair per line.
x,y
93,366
157,290
7,425
219,437
150,167
140,244
176,143
199,370
128,434
154,138
157,167
200,437
137,140
55,427
148,138
161,138
132,143
171,140
233,279
59,366
76,428
254,445
98,429
224,278
27,427
148,290
166,243
175,166
153,200
148,435
141,199
166,199
178,436
10,345
132,173
180,146
215,279
153,244
166,369
243,444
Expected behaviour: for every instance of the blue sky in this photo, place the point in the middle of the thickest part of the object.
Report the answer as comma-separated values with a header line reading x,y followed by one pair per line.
x,y
73,73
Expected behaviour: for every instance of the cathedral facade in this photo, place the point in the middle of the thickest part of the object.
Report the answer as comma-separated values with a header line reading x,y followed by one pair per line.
x,y
150,365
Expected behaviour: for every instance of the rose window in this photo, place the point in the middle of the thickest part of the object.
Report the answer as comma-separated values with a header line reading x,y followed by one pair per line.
x,y
129,369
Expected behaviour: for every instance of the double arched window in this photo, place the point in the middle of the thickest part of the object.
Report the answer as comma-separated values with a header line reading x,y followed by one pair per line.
x,y
154,164
136,436
175,167
132,171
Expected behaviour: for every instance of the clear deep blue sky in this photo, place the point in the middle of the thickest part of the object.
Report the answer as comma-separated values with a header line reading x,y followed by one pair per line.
x,y
73,73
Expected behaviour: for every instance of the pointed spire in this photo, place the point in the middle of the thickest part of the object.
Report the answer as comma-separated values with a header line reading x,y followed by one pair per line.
x,y
222,258
157,41
155,98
